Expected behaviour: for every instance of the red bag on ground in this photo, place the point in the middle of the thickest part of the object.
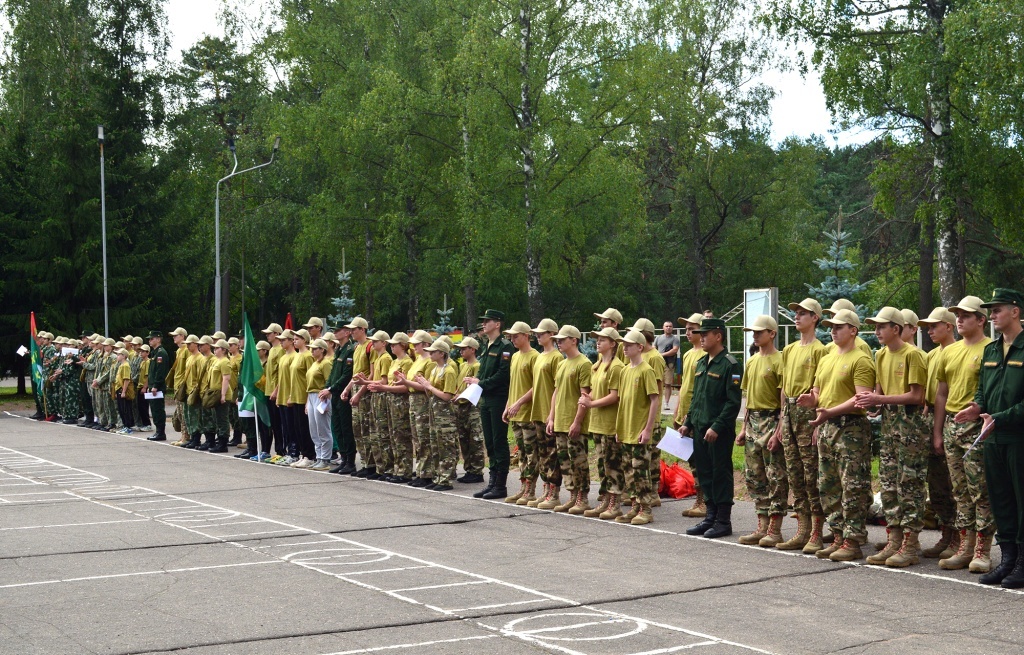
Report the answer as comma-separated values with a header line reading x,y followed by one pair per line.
x,y
676,482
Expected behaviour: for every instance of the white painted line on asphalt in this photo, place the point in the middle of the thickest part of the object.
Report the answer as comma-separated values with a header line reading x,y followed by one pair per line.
x,y
572,626
111,576
497,605
421,644
345,576
253,534
219,525
676,649
73,525
299,543
438,586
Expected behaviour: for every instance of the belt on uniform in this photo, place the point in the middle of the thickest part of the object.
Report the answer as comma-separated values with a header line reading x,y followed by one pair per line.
x,y
792,401
895,408
845,419
762,413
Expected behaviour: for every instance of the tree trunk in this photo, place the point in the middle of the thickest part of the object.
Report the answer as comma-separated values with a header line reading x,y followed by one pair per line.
x,y
926,261
526,115
697,254
368,276
471,314
413,266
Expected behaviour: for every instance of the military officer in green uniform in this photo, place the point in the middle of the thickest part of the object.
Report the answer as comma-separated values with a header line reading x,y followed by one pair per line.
x,y
999,402
160,364
711,422
493,378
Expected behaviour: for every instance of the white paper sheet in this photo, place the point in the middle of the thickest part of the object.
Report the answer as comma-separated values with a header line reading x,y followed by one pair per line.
x,y
472,394
246,413
22,350
676,444
69,351
321,406
153,396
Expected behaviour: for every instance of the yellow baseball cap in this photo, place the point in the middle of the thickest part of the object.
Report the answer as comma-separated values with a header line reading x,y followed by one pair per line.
x,y
694,318
179,332
221,343
568,332
644,325
421,336
634,336
972,304
910,317
763,322
611,314
380,335
938,315
519,328
810,304
207,339
546,325
843,317
888,315
358,322
608,332
189,339
841,304
470,342
273,328
400,338
440,345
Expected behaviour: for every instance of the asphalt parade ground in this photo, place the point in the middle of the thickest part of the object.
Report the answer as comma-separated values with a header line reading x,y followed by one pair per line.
x,y
112,544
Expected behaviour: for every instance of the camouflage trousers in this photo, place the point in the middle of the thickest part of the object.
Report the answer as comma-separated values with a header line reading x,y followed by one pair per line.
x,y
525,433
973,510
222,420
940,489
636,460
190,416
112,413
572,461
903,467
380,434
844,474
765,470
444,440
71,406
100,406
207,420
656,435
401,433
609,464
801,457
419,422
361,416
547,455
471,437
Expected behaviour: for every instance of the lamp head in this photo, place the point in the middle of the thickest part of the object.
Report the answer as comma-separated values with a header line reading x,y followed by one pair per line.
x,y
277,143
99,133
231,143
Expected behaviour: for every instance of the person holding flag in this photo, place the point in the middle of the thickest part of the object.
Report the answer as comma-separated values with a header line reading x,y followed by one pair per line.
x,y
250,377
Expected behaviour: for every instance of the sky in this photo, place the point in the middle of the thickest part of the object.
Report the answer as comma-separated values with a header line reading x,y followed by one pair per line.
x,y
798,109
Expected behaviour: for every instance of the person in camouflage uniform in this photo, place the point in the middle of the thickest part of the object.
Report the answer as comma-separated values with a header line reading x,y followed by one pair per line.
x,y
50,365
901,375
544,368
419,408
468,424
192,368
395,397
88,362
70,375
844,437
105,369
99,365
441,386
656,361
567,420
602,408
518,409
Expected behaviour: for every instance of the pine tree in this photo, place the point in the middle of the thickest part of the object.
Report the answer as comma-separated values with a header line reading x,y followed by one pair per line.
x,y
343,303
834,286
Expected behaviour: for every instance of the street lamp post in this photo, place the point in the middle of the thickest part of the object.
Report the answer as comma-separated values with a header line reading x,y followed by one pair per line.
x,y
216,219
103,233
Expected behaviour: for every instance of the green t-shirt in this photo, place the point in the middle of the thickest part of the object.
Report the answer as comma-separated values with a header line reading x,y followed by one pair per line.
x,y
572,376
761,380
604,379
636,386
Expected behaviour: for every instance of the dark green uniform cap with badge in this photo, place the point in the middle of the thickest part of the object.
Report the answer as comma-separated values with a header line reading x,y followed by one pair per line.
x,y
708,324
494,315
153,334
1001,296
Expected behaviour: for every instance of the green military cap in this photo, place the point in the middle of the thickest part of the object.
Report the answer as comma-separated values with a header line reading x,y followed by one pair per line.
x,y
708,324
469,342
493,315
1002,296
888,315
693,318
153,334
634,336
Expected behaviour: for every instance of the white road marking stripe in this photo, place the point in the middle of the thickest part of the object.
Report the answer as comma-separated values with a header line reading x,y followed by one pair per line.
x,y
137,573
438,586
378,649
73,525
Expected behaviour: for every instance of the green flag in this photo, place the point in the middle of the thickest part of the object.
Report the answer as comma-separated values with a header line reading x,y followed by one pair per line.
x,y
37,358
253,400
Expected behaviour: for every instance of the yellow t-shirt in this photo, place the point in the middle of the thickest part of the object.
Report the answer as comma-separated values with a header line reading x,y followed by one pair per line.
x,y
544,368
180,364
144,373
381,367
838,377
215,371
636,386
860,345
270,369
402,364
445,378
236,363
361,360
204,369
799,363
959,366
466,370
686,379
124,372
421,365
298,366
761,379
284,378
655,360
604,379
931,360
572,376
521,381
317,374
193,367
896,371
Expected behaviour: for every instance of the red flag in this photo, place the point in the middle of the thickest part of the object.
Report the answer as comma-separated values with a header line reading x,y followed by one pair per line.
x,y
288,322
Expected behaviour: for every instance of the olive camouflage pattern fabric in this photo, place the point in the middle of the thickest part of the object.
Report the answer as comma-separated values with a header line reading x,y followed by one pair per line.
x,y
444,440
572,460
973,510
525,433
764,471
471,436
844,474
801,457
380,440
419,422
547,455
903,467
638,472
610,464
401,433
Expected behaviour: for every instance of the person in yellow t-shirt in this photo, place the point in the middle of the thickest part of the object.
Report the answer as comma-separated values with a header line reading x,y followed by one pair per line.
x,y
124,390
395,397
634,427
301,449
419,408
468,422
207,419
940,325
219,374
143,388
657,362
355,393
844,437
235,356
901,375
518,409
184,387
442,386
319,421
958,371
567,420
544,367
687,376
273,440
379,440
602,404
280,396
838,305
795,435
764,470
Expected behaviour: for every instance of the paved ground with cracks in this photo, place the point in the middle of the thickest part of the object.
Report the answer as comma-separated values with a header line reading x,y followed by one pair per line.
x,y
111,544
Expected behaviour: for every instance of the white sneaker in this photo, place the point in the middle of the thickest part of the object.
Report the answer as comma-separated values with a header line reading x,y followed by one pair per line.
x,y
320,465
303,463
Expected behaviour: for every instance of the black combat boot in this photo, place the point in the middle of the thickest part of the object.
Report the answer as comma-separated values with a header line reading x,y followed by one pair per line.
x,y
706,522
491,480
1016,578
498,486
1006,565
723,523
